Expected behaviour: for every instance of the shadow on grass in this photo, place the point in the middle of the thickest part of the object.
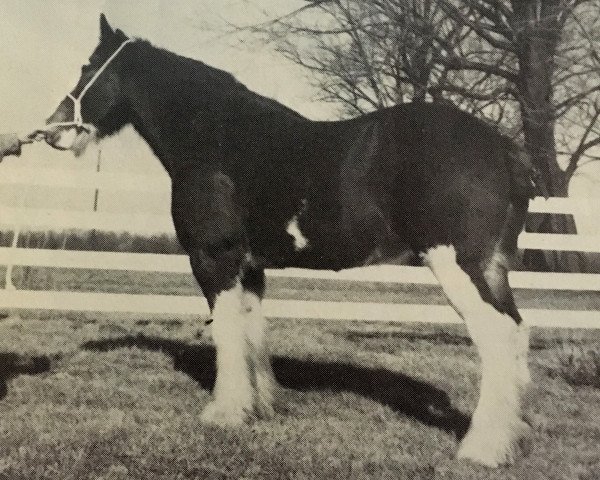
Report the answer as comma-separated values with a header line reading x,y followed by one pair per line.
x,y
435,338
442,338
414,398
12,365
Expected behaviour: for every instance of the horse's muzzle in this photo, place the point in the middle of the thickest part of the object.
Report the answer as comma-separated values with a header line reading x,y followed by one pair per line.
x,y
75,138
61,138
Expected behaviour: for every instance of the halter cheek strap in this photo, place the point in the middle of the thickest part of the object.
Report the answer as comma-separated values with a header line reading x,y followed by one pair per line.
x,y
77,118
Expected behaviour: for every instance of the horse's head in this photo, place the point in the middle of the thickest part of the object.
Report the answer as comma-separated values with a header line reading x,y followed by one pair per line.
x,y
96,107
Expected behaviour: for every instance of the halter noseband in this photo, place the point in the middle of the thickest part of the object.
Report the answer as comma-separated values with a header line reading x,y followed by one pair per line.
x,y
77,118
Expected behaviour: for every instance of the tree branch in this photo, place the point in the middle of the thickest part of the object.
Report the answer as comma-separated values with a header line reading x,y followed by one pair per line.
x,y
565,104
458,63
454,13
584,145
470,93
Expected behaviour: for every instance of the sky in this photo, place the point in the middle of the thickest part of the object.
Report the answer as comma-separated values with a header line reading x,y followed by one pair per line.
x,y
44,43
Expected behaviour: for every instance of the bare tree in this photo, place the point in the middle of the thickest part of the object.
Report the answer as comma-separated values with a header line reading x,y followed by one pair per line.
x,y
373,54
523,64
577,89
532,31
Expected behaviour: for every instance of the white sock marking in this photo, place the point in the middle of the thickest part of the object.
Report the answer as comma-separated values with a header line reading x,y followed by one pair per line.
x,y
233,392
244,383
258,357
496,422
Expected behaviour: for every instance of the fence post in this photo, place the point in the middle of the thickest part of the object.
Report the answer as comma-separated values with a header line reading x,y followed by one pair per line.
x,y
8,283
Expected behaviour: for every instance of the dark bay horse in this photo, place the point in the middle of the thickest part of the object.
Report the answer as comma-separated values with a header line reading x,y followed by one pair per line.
x,y
255,184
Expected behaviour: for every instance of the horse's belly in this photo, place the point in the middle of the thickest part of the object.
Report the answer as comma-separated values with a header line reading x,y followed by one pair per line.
x,y
322,241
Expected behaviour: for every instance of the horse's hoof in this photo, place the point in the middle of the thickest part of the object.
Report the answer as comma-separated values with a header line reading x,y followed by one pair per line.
x,y
224,415
495,446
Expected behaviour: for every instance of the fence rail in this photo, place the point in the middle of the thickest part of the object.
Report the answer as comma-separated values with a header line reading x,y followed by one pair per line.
x,y
302,309
24,218
161,263
155,224
77,178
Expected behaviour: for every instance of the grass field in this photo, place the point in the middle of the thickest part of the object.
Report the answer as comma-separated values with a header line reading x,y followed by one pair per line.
x,y
118,397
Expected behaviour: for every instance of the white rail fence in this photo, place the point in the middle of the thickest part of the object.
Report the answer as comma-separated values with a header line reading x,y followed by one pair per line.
x,y
12,218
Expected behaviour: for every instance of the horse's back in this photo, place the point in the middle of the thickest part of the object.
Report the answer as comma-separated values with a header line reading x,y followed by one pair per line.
x,y
436,175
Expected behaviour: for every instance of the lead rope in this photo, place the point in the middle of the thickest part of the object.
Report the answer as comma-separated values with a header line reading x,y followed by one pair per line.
x,y
77,118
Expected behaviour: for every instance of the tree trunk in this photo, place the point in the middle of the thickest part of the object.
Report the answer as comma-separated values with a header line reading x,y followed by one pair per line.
x,y
538,32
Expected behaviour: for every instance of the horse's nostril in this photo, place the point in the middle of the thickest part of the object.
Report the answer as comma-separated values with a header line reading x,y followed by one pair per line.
x,y
208,322
51,137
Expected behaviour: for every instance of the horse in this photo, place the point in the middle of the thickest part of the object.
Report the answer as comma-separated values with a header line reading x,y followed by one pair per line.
x,y
256,185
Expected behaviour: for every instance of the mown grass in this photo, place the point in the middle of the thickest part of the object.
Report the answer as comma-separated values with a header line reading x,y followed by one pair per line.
x,y
94,397
90,396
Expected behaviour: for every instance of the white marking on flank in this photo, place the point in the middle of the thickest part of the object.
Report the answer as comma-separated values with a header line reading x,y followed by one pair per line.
x,y
300,241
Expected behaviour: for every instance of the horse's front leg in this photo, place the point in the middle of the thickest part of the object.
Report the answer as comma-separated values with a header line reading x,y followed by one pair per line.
x,y
244,382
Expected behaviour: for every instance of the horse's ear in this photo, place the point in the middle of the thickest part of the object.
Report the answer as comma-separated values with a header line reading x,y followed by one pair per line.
x,y
106,30
121,35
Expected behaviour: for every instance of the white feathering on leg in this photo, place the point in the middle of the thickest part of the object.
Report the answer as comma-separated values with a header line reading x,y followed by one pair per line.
x,y
496,424
524,376
233,392
259,356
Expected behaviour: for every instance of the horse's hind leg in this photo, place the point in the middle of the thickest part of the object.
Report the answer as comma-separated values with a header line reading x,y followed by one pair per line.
x,y
495,274
496,425
243,386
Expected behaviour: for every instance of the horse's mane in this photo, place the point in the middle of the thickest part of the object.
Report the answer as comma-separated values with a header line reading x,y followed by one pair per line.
x,y
184,71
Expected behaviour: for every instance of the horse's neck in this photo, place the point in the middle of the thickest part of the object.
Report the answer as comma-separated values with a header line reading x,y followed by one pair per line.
x,y
185,132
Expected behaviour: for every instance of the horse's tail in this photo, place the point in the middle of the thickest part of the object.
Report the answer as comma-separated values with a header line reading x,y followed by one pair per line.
x,y
525,184
525,180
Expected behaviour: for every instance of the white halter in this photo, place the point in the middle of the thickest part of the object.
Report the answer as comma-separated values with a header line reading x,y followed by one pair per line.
x,y
77,119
